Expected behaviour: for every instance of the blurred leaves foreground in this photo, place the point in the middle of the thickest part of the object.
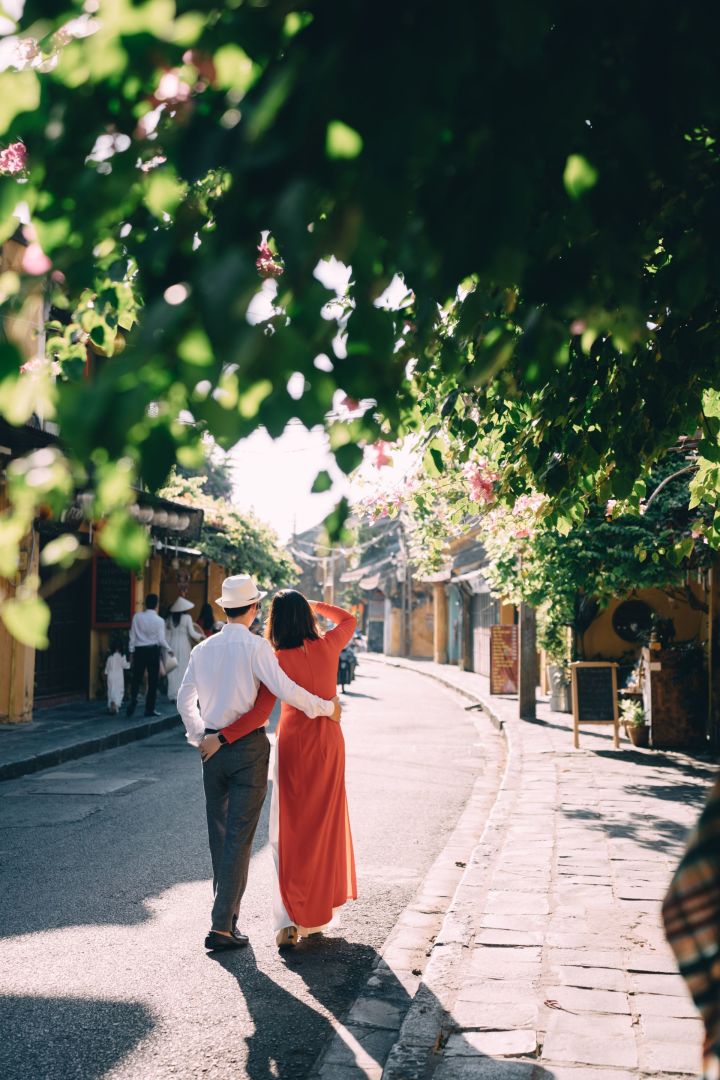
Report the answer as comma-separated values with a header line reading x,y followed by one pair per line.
x,y
542,175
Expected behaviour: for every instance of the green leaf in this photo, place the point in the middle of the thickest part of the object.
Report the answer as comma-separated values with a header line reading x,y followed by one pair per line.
x,y
342,141
335,523
163,192
62,550
234,70
27,619
579,176
437,459
19,93
124,540
348,457
322,482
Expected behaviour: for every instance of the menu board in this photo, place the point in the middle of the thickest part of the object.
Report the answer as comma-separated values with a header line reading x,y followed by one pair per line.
x,y
113,590
594,696
503,659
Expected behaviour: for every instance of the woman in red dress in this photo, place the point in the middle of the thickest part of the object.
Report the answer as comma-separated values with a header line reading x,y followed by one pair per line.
x,y
309,821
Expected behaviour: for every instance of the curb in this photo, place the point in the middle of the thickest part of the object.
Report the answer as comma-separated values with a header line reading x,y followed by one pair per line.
x,y
70,752
378,1028
423,1030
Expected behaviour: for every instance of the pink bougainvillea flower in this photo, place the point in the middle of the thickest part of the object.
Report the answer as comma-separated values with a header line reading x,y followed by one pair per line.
x,y
35,261
480,481
268,264
202,62
380,452
13,159
152,163
172,89
350,403
609,507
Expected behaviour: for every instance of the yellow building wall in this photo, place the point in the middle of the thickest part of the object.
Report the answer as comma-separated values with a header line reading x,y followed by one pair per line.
x,y
216,573
17,662
393,632
422,629
601,639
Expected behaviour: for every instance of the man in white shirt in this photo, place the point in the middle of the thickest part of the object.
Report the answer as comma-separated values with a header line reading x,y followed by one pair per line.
x,y
147,637
222,678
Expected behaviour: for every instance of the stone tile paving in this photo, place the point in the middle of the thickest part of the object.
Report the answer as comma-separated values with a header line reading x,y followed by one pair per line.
x,y
362,1043
551,963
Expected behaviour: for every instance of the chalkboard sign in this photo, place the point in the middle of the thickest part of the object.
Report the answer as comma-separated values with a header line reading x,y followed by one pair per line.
x,y
503,659
594,697
113,590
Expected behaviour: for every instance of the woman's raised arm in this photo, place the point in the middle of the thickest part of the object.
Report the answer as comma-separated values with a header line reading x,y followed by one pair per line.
x,y
345,623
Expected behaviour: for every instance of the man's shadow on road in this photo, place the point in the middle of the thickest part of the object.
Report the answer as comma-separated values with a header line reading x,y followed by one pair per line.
x,y
289,1035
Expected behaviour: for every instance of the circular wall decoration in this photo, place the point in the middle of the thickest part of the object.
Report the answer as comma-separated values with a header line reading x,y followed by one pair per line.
x,y
632,621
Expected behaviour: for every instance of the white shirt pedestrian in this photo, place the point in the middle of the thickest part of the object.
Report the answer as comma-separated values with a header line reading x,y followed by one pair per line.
x,y
147,629
115,666
225,672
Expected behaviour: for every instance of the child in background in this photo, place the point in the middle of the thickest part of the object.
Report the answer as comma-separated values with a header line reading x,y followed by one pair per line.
x,y
115,666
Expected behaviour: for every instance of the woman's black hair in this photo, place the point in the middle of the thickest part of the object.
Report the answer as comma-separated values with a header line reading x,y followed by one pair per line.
x,y
206,618
176,617
291,621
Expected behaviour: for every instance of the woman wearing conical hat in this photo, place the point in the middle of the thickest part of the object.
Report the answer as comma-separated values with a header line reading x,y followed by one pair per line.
x,y
182,634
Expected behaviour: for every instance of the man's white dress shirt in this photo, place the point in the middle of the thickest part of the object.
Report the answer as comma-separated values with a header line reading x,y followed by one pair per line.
x,y
147,628
224,674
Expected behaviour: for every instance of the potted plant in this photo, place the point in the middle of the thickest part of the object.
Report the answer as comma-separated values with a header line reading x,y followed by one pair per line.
x,y
553,638
632,715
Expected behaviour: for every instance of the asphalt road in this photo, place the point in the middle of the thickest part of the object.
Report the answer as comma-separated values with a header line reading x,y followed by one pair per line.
x,y
105,897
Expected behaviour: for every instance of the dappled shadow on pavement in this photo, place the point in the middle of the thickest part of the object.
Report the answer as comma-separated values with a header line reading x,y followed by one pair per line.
x,y
288,1033
287,1038
56,1038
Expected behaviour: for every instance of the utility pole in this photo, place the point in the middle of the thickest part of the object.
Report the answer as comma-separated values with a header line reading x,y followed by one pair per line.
x,y
527,663
405,595
329,583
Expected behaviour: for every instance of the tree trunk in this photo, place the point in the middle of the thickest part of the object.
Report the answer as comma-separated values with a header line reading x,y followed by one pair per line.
x,y
527,674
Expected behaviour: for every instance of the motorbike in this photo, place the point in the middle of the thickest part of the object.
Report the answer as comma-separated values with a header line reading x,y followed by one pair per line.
x,y
346,667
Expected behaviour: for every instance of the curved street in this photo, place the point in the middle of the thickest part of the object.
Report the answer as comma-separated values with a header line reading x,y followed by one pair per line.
x,y
105,894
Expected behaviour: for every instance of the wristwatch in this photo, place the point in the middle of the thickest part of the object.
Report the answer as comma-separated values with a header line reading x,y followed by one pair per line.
x,y
222,739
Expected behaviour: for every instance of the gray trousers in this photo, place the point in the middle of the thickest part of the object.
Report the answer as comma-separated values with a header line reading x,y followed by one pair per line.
x,y
235,782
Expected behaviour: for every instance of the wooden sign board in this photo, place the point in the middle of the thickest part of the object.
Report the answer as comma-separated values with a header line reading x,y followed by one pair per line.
x,y
594,697
503,659
113,594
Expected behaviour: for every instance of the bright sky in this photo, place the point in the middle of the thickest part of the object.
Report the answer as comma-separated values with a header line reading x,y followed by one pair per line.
x,y
273,477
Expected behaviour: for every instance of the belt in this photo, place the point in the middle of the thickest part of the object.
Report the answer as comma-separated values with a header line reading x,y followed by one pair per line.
x,y
217,731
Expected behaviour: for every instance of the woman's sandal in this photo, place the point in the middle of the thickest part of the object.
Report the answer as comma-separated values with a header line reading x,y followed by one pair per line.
x,y
287,937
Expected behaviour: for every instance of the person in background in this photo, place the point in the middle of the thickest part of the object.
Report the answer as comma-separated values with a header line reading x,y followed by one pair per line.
x,y
182,633
207,621
147,637
115,667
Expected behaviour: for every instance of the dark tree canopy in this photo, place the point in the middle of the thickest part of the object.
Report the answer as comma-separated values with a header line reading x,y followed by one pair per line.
x,y
558,159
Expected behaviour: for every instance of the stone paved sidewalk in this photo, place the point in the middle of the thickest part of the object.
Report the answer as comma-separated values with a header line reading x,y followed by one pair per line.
x,y
551,962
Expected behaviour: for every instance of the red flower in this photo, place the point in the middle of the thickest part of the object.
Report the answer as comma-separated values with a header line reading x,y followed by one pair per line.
x,y
268,265
13,159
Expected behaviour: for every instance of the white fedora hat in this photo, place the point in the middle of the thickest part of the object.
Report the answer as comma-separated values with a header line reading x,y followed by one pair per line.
x,y
239,591
182,604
